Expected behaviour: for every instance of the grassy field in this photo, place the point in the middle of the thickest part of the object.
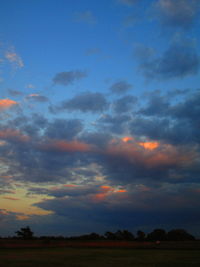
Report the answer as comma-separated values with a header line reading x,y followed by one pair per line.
x,y
97,257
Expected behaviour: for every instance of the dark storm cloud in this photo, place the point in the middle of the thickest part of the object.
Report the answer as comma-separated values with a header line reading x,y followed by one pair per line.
x,y
85,102
124,104
68,77
178,61
120,87
179,13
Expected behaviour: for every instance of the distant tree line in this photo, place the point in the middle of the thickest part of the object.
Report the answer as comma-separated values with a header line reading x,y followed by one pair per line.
x,y
155,235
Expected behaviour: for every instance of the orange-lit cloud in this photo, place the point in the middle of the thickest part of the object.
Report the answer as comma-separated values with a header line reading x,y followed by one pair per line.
x,y
127,139
64,146
99,197
7,103
106,191
150,156
9,134
121,191
106,188
149,145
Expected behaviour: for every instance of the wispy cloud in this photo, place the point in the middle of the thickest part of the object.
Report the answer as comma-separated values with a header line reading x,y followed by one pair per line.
x,y
128,2
14,58
86,17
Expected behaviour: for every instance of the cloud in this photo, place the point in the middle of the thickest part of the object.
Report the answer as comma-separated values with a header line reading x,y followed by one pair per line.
x,y
86,17
64,129
15,92
13,135
68,77
172,122
30,86
124,104
179,13
93,51
85,102
14,58
64,146
7,103
37,98
116,124
120,87
128,2
178,61
128,210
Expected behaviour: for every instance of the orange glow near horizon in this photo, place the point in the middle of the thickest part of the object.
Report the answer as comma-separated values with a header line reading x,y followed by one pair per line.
x,y
149,145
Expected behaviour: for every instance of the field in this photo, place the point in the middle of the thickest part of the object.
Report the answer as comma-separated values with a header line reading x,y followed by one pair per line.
x,y
97,257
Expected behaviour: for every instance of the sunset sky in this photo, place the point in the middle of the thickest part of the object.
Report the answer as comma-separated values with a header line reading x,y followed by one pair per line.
x,y
99,115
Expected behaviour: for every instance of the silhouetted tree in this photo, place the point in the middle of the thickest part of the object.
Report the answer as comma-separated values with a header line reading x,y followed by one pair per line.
x,y
25,233
110,236
157,234
128,235
179,235
140,235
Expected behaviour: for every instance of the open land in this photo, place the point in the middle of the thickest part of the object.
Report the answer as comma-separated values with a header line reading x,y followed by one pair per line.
x,y
86,256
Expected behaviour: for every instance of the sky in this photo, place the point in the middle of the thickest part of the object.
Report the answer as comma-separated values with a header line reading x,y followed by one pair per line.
x,y
99,116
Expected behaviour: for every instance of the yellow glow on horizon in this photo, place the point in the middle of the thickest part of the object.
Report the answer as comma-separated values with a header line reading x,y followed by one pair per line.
x,y
21,203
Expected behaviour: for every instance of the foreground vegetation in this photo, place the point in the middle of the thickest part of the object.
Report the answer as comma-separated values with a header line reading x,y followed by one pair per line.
x,y
86,257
